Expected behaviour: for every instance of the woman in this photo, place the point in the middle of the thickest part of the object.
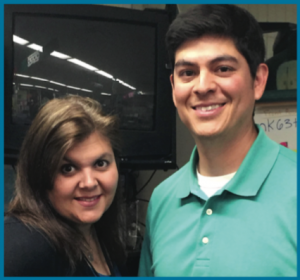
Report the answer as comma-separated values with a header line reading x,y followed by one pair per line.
x,y
65,219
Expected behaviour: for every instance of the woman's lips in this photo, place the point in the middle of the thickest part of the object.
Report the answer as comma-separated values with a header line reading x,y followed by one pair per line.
x,y
88,201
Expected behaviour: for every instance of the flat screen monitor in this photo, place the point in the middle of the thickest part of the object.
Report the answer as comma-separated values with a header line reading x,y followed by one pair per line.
x,y
114,55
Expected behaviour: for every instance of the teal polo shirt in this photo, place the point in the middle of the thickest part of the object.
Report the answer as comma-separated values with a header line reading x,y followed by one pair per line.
x,y
248,228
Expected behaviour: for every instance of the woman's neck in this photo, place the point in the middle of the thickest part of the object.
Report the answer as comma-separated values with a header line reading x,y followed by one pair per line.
x,y
86,230
94,251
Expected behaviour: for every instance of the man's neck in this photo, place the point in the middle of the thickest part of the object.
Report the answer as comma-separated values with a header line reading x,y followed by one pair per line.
x,y
224,154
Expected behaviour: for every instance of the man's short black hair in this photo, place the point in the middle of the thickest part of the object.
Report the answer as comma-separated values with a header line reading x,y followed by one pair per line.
x,y
227,21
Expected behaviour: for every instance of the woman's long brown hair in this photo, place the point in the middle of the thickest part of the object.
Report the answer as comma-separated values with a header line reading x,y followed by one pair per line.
x,y
59,125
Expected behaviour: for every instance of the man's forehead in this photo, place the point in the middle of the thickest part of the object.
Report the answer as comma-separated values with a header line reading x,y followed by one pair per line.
x,y
209,37
214,48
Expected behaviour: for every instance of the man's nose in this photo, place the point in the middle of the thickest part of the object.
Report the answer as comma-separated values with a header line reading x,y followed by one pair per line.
x,y
205,83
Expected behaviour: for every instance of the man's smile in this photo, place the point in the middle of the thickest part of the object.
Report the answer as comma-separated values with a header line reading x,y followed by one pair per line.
x,y
205,108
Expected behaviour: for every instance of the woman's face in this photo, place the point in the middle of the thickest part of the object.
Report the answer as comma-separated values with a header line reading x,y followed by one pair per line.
x,y
86,182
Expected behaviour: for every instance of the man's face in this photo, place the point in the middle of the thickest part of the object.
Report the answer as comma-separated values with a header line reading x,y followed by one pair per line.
x,y
212,87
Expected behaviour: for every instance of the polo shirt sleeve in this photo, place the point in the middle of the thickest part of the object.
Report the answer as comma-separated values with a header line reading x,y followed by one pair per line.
x,y
146,256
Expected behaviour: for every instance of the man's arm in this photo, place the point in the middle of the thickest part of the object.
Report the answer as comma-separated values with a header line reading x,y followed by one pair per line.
x,y
146,258
145,268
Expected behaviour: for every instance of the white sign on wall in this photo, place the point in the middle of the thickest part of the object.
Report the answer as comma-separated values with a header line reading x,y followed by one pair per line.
x,y
279,122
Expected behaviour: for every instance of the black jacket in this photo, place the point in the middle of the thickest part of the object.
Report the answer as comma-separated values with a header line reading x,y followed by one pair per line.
x,y
27,252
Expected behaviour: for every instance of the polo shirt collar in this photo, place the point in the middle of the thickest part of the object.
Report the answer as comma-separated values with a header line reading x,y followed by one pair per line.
x,y
249,177
255,167
191,176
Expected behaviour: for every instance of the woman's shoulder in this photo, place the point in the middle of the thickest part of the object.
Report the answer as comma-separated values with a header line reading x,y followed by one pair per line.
x,y
12,224
18,235
27,251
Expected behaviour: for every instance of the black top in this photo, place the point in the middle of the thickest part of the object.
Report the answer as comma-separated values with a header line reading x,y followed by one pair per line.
x,y
27,252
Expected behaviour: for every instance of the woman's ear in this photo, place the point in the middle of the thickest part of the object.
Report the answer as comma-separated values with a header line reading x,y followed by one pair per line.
x,y
260,80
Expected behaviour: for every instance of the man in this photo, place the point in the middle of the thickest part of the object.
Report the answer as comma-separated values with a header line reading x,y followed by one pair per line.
x,y
231,210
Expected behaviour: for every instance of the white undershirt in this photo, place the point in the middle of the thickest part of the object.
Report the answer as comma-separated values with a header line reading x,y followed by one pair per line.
x,y
210,185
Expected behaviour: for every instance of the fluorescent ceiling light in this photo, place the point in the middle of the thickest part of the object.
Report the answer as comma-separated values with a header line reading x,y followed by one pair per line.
x,y
124,84
104,93
37,78
86,90
73,87
20,75
39,87
26,85
59,55
36,47
104,74
82,64
129,86
52,82
19,40
50,88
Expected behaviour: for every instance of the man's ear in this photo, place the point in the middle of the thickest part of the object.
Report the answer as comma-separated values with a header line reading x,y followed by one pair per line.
x,y
173,86
260,80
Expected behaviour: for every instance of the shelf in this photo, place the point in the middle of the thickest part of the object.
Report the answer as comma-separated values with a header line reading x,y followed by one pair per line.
x,y
268,27
279,95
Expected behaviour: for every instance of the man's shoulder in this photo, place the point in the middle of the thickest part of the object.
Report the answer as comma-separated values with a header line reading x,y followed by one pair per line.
x,y
282,154
174,181
288,156
165,199
283,172
286,163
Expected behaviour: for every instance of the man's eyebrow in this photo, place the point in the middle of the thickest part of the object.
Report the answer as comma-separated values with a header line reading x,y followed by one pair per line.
x,y
220,58
183,62
224,58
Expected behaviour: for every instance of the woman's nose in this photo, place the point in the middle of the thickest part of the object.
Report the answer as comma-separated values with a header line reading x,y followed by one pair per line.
x,y
88,179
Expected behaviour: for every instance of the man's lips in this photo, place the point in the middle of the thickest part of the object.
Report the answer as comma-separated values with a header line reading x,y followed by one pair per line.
x,y
207,107
88,198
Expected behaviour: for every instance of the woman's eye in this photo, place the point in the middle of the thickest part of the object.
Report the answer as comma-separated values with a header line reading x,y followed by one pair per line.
x,y
101,163
67,168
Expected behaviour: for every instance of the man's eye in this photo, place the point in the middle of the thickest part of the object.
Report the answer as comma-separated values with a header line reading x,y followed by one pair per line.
x,y
187,73
101,163
224,69
67,168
